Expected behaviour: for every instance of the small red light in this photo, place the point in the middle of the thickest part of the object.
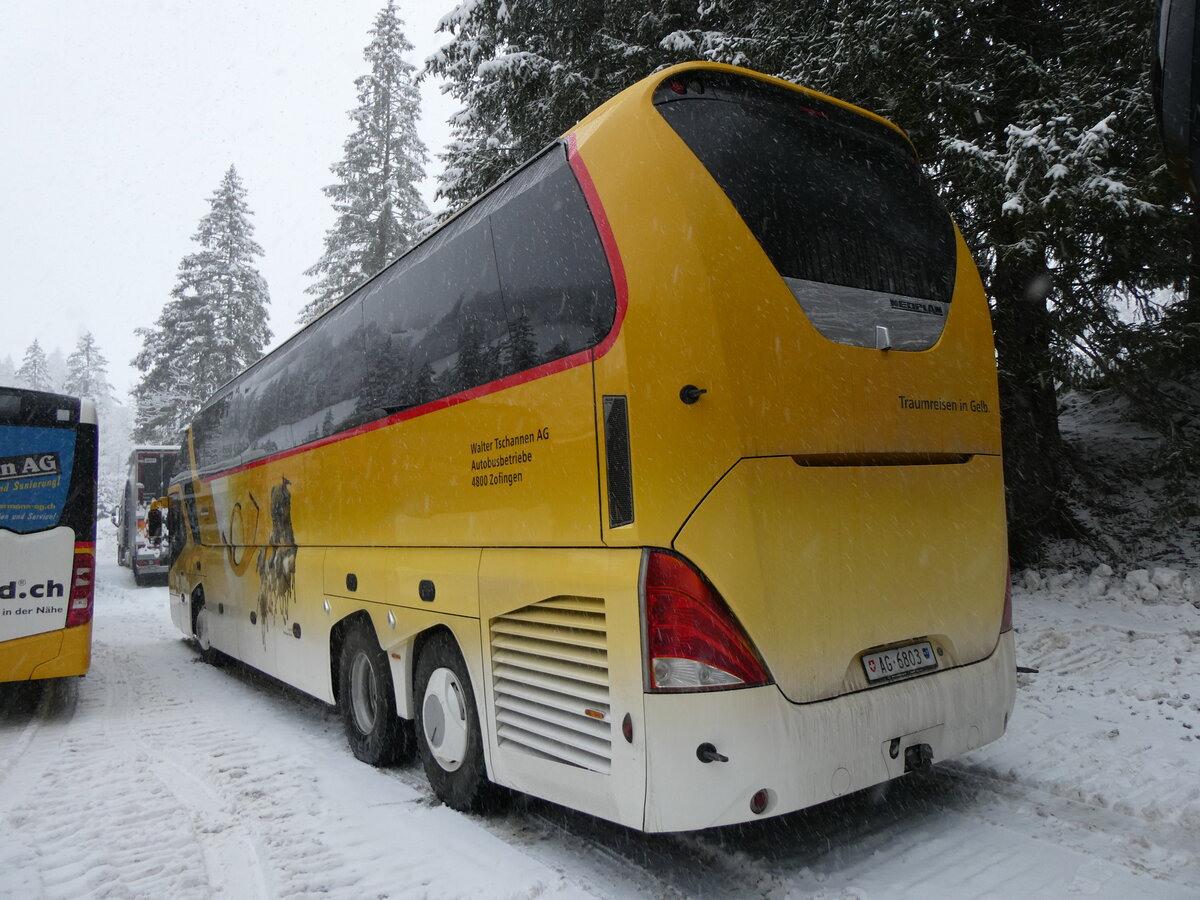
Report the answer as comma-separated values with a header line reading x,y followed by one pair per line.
x,y
758,803
627,728
677,86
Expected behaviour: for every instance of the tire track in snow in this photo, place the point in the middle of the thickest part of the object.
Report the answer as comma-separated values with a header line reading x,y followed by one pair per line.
x,y
30,702
1113,833
229,846
86,822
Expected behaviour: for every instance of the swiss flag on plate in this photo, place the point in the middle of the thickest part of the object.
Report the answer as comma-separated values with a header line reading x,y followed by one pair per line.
x,y
871,664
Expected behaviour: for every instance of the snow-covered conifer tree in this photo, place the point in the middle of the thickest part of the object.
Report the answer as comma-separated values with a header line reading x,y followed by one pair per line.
x,y
34,372
214,325
379,209
525,72
87,372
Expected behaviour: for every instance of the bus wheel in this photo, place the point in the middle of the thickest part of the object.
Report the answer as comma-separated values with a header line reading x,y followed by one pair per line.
x,y
138,580
368,703
448,735
203,630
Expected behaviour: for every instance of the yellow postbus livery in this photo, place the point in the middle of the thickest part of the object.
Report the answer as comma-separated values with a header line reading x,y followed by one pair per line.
x,y
662,482
48,451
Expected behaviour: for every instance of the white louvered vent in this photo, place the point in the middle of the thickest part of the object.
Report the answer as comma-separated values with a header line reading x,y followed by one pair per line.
x,y
550,673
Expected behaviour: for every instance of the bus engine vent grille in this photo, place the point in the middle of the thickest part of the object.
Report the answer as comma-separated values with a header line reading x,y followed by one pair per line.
x,y
550,674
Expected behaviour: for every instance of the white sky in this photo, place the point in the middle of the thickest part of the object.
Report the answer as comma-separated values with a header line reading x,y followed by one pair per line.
x,y
119,120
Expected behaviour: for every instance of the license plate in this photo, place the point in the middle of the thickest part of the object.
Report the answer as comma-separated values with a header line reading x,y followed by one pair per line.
x,y
897,661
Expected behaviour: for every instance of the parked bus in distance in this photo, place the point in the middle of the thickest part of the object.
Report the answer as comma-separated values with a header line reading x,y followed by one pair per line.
x,y
662,482
47,534
150,470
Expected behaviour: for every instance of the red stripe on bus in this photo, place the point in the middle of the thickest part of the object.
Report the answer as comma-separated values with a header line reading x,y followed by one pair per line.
x,y
620,288
607,239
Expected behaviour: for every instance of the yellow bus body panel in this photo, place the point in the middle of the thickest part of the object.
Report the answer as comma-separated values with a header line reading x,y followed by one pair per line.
x,y
529,479
55,654
832,562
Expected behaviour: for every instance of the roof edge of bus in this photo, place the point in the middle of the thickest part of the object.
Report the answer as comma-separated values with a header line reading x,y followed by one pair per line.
x,y
648,84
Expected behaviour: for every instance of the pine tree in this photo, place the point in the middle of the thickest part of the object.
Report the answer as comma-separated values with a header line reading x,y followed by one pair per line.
x,y
8,371
379,209
87,372
526,72
214,325
33,372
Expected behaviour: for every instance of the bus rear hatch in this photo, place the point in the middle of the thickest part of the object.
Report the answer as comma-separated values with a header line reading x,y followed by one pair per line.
x,y
831,568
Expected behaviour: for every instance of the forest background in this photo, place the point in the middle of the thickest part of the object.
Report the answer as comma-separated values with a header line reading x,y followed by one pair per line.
x,y
1034,119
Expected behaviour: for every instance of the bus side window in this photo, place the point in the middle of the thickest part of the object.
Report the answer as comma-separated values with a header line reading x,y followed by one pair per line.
x,y
175,533
558,290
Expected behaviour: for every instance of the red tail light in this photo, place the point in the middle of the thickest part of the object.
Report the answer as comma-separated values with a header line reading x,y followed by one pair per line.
x,y
1006,617
693,642
83,583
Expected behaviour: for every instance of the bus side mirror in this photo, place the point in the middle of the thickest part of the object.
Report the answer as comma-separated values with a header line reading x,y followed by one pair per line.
x,y
154,523
1175,78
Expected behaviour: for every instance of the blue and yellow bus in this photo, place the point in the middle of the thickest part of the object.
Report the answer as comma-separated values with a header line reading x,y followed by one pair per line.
x,y
662,482
47,534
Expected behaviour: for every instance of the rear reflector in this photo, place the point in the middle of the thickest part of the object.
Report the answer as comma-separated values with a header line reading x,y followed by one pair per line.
x,y
693,641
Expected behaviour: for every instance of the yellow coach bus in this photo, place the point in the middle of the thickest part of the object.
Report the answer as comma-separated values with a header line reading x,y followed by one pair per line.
x,y
48,451
662,482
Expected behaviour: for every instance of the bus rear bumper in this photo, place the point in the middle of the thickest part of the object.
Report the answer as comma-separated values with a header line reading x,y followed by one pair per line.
x,y
55,654
805,754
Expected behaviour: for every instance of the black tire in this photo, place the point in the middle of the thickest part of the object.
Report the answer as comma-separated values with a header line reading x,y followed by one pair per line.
x,y
138,579
447,727
376,734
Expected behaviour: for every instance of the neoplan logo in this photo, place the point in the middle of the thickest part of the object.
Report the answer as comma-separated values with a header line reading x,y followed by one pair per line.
x,y
29,465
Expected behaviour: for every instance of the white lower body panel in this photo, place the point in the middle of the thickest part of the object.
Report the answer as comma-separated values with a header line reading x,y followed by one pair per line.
x,y
805,754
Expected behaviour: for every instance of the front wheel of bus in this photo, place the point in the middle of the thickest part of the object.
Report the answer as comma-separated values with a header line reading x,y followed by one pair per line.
x,y
368,703
203,631
448,734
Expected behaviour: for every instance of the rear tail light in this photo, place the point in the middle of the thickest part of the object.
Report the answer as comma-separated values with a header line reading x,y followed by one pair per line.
x,y
83,583
1006,616
693,641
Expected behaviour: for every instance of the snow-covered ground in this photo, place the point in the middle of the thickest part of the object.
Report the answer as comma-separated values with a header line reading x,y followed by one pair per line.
x,y
158,776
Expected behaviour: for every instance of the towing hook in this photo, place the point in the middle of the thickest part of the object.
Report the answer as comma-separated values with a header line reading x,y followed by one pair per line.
x,y
707,753
919,759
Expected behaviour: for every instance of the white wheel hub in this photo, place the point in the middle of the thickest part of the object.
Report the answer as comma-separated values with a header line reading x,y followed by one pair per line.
x,y
444,719
363,693
202,637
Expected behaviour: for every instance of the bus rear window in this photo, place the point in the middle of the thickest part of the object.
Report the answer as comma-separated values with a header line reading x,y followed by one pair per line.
x,y
833,197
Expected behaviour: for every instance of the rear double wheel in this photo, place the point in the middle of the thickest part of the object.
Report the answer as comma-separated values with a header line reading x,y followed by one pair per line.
x,y
447,725
368,701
